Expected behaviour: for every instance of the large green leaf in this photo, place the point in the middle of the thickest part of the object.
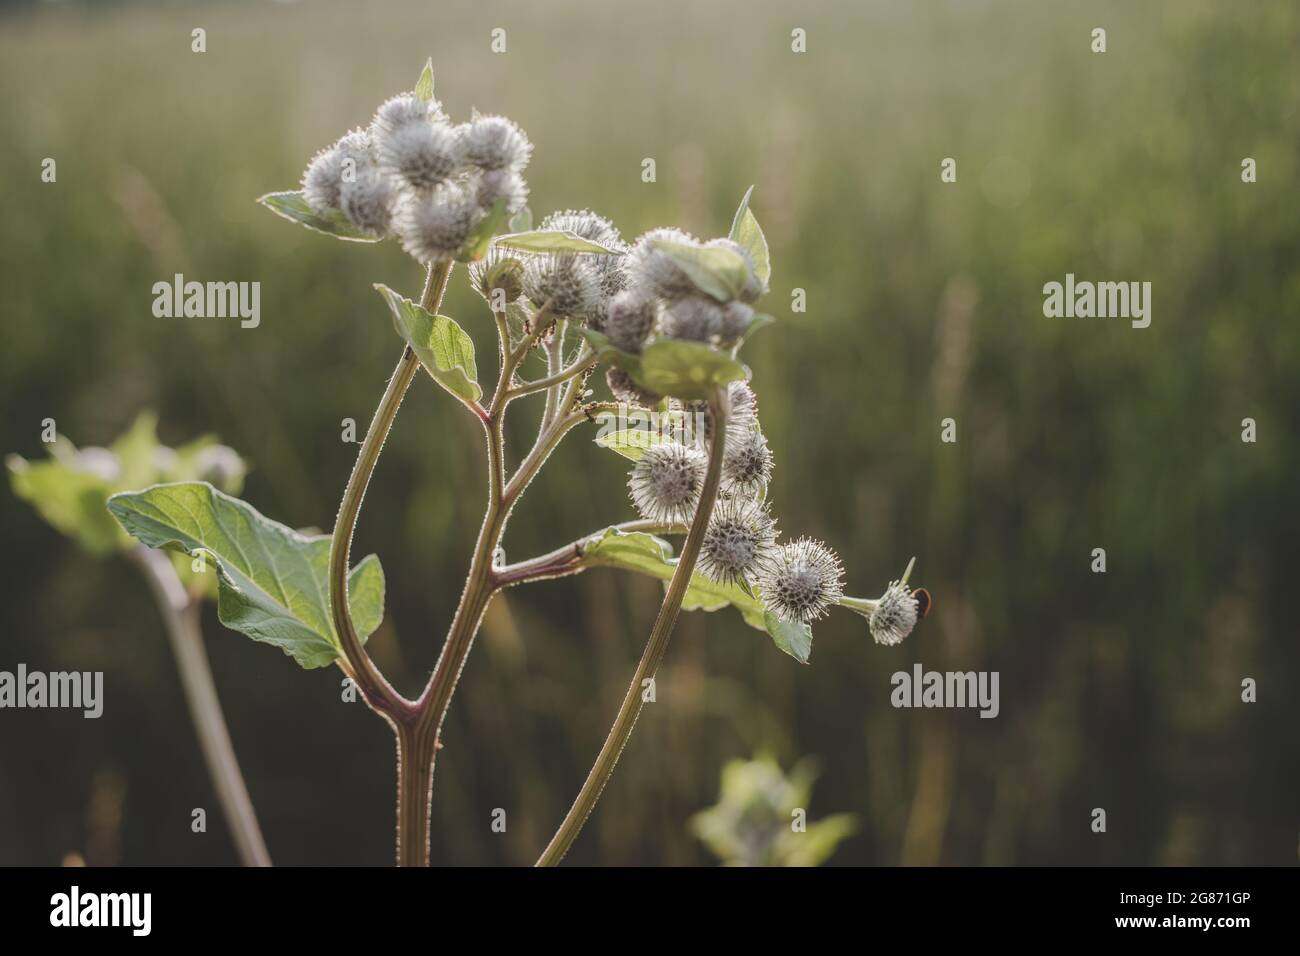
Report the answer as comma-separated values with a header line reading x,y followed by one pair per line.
x,y
746,231
444,349
714,270
685,370
648,554
273,581
292,206
551,240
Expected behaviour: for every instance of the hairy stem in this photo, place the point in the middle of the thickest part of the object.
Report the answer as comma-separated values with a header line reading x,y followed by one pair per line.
x,y
376,691
180,614
655,648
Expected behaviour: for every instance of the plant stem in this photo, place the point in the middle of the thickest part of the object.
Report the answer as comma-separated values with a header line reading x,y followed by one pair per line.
x,y
569,559
415,754
376,691
653,655
180,614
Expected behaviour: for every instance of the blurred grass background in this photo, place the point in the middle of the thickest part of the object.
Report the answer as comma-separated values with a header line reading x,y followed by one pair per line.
x,y
1119,691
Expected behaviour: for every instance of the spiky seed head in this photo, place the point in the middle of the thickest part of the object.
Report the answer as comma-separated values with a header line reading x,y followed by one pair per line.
x,y
499,269
651,270
221,467
589,225
494,142
747,463
434,226
801,581
566,280
367,200
738,542
321,181
894,615
403,110
744,405
629,320
502,184
694,317
625,390
665,484
586,224
100,462
422,155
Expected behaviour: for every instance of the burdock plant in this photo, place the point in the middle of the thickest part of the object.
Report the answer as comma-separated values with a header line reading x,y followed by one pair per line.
x,y
665,314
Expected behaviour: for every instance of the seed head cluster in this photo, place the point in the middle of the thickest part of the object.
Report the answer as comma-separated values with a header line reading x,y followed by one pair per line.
x,y
413,174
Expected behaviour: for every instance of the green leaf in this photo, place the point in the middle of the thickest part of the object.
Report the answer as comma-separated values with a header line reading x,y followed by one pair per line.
x,y
480,240
273,581
714,270
631,443
292,205
551,240
522,221
794,639
71,501
685,370
442,346
424,85
648,554
746,231
688,370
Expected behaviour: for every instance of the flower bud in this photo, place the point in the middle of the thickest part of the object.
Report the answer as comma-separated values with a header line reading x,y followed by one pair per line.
x,y
624,389
738,542
629,320
801,581
653,272
694,318
565,280
434,227
420,154
665,483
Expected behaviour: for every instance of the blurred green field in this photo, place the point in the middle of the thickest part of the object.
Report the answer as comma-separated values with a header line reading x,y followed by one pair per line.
x,y
1119,691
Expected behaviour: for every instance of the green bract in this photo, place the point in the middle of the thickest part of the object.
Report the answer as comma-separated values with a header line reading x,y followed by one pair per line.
x,y
292,206
746,232
717,272
685,370
444,349
273,583
551,240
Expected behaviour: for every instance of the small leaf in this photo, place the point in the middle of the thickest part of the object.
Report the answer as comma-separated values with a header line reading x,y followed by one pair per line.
x,y
443,347
273,581
522,221
631,443
552,240
292,205
746,231
424,85
716,271
480,240
794,639
687,370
